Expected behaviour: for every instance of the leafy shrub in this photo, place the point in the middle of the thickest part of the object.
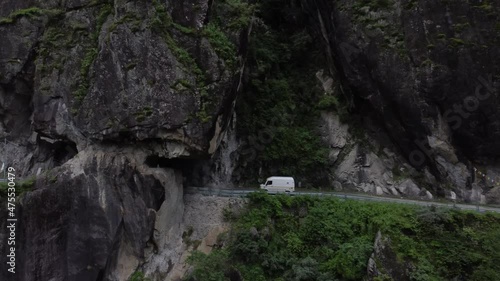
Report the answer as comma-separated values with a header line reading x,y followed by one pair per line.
x,y
209,267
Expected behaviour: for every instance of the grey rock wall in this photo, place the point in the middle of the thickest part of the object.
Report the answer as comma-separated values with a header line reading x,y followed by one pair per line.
x,y
96,99
429,70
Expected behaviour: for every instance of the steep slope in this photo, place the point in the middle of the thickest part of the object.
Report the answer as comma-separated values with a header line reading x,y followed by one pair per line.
x,y
99,99
306,238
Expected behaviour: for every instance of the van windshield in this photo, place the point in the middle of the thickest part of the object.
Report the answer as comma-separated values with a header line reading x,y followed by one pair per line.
x,y
269,182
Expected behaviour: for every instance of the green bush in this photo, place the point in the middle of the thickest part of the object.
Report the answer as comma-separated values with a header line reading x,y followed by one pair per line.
x,y
328,102
209,267
138,276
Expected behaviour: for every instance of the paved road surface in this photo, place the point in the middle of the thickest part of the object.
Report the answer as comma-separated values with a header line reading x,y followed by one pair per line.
x,y
243,192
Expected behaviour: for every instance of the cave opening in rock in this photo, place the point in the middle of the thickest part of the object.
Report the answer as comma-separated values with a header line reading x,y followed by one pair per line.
x,y
63,151
185,165
58,151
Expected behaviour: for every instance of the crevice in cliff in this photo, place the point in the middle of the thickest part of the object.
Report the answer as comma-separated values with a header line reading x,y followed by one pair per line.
x,y
17,94
209,12
113,253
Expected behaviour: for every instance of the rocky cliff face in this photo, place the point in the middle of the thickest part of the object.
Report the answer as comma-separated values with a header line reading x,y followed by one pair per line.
x,y
93,220
100,99
429,72
113,105
112,71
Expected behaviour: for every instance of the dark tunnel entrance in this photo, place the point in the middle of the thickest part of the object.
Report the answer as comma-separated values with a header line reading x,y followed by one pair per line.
x,y
64,151
185,165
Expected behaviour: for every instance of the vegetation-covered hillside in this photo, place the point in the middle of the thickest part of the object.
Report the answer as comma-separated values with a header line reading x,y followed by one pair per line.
x,y
280,105
303,238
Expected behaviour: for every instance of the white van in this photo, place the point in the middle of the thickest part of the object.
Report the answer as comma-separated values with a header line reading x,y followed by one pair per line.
x,y
279,184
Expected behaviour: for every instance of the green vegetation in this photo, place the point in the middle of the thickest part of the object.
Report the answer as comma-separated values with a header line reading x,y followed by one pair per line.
x,y
184,29
235,15
161,20
162,23
138,276
441,36
456,42
281,103
87,62
133,20
399,174
460,27
130,65
142,114
303,238
91,53
485,6
181,85
227,16
490,10
53,178
50,15
184,58
62,34
329,102
297,145
363,11
59,36
20,186
395,41
411,4
427,62
186,238
375,5
224,48
32,12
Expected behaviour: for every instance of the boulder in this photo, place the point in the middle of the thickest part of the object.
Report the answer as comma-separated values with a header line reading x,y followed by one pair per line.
x,y
408,188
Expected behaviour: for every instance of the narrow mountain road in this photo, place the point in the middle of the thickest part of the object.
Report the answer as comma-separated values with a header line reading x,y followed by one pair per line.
x,y
224,192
